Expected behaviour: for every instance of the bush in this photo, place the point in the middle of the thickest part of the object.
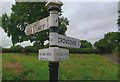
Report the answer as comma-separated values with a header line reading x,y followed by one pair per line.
x,y
5,50
83,50
16,49
20,49
30,49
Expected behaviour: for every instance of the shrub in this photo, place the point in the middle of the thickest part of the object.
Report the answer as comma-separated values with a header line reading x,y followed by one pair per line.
x,y
5,50
16,49
83,50
30,49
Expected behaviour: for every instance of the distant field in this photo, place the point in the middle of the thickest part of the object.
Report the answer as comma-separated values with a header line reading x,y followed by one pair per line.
x,y
79,67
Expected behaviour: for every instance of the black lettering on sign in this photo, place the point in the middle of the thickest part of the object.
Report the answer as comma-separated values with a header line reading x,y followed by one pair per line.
x,y
43,26
39,28
70,42
48,54
66,41
30,30
74,42
63,40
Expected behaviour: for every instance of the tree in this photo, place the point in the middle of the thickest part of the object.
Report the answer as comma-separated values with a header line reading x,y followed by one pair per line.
x,y
0,21
103,46
63,22
110,43
113,39
24,13
85,44
30,49
16,49
118,16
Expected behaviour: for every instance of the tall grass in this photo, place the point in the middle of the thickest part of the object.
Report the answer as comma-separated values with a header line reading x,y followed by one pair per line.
x,y
78,67
88,67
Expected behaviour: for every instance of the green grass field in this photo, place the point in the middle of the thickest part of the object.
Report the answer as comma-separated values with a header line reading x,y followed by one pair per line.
x,y
78,67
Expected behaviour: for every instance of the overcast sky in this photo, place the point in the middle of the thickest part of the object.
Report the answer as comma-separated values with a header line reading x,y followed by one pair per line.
x,y
88,20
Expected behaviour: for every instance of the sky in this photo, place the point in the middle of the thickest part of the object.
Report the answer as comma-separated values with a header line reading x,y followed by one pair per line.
x,y
88,20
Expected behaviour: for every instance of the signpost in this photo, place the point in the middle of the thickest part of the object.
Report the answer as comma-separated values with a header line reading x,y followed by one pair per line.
x,y
37,26
53,54
54,8
64,41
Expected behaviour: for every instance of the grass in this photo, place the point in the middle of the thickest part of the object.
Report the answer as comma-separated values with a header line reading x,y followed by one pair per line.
x,y
78,67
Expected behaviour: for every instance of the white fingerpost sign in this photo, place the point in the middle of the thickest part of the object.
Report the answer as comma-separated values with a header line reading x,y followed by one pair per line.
x,y
64,41
37,26
53,54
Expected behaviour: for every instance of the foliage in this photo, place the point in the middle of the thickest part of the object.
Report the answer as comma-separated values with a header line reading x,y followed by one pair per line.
x,y
109,43
36,45
0,21
63,23
1,49
119,19
86,47
114,39
30,49
78,67
20,49
24,13
46,46
85,44
83,50
118,16
16,49
5,50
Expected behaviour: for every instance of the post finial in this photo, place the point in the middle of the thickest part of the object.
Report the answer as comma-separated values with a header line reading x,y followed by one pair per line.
x,y
54,3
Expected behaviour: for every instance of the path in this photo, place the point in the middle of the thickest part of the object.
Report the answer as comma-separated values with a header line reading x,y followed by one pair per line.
x,y
112,58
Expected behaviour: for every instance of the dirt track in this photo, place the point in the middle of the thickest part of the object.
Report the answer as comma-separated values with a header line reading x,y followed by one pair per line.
x,y
112,58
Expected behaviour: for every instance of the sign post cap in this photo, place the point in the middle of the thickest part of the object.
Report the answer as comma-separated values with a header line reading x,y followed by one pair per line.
x,y
54,3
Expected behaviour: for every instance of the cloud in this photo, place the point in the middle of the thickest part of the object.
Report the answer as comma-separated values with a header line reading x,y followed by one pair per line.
x,y
4,40
6,7
88,20
89,0
91,20
25,43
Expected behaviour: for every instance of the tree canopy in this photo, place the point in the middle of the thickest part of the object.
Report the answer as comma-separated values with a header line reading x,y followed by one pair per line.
x,y
24,13
118,22
85,44
118,16
109,43
0,21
